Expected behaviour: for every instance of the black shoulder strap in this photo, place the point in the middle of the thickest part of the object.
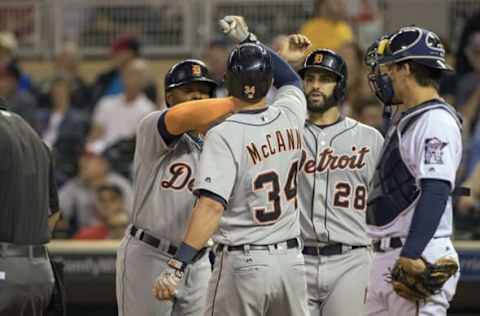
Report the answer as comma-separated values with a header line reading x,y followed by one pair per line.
x,y
461,191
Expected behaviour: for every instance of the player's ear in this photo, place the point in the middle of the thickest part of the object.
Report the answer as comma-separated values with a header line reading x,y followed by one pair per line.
x,y
169,98
404,68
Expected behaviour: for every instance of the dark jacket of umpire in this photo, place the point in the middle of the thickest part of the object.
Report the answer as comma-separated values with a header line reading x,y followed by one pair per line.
x,y
27,185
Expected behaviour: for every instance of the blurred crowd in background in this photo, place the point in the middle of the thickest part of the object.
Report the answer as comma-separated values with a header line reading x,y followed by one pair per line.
x,y
90,125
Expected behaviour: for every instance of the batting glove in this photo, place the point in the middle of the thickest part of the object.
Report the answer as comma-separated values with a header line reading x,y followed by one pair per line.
x,y
166,284
236,29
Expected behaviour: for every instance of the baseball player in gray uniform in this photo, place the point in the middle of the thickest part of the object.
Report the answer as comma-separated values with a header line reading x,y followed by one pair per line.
x,y
409,213
166,160
340,160
247,188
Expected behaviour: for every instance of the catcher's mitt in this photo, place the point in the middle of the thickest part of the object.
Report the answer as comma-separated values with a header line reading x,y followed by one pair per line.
x,y
415,285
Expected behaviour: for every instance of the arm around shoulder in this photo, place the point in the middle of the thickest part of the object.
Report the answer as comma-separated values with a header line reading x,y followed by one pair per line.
x,y
198,114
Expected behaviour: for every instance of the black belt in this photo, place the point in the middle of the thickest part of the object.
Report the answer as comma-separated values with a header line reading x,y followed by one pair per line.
x,y
394,243
291,243
155,242
152,241
34,251
328,250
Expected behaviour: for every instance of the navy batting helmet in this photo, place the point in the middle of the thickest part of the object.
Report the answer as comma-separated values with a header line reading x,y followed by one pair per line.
x,y
413,44
328,60
249,72
188,71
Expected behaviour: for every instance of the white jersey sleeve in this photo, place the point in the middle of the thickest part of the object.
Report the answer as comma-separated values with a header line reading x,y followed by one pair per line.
x,y
218,170
150,144
432,148
292,100
377,145
100,115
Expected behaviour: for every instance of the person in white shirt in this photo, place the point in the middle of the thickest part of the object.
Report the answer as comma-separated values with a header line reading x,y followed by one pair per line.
x,y
117,117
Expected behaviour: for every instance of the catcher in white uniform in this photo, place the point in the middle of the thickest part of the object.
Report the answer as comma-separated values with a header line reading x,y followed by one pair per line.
x,y
409,213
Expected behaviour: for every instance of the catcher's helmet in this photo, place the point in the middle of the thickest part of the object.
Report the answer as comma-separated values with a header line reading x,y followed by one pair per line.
x,y
249,72
413,44
328,60
188,71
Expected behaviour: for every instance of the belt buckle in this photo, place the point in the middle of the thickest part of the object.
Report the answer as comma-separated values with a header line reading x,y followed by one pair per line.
x,y
345,248
385,244
163,245
222,248
246,249
138,233
281,245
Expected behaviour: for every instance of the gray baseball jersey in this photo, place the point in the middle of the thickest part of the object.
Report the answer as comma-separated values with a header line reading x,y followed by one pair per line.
x,y
163,180
334,179
251,160
163,201
340,162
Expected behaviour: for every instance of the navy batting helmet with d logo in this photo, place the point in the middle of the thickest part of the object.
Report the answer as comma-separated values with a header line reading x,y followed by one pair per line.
x,y
249,72
188,71
328,60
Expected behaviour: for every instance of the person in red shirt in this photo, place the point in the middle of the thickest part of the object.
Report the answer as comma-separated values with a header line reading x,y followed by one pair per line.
x,y
110,207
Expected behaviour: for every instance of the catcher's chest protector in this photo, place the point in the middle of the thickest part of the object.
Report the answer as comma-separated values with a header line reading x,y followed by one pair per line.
x,y
393,188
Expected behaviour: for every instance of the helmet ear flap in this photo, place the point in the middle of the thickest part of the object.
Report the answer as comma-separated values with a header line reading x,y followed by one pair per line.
x,y
340,90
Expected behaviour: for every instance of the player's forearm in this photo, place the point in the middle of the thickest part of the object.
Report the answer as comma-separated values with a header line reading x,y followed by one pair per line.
x,y
53,220
283,73
203,223
426,217
197,115
96,132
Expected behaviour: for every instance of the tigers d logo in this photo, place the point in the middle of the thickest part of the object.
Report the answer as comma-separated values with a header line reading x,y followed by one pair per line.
x,y
318,59
249,91
196,70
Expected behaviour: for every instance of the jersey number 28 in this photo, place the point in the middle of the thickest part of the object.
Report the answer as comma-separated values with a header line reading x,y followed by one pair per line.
x,y
270,180
347,197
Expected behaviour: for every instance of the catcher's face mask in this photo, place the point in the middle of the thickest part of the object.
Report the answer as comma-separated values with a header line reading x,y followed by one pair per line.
x,y
407,44
380,83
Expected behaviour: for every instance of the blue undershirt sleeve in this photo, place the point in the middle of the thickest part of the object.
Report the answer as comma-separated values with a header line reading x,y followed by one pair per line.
x,y
283,73
426,217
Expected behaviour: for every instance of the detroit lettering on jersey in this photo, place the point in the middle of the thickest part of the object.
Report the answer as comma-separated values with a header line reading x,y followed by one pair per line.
x,y
275,142
180,177
329,160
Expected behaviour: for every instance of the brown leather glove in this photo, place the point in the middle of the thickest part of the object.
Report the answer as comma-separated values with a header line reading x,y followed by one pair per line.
x,y
418,279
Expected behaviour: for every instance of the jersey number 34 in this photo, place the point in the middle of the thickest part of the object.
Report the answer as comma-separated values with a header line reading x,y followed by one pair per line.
x,y
269,180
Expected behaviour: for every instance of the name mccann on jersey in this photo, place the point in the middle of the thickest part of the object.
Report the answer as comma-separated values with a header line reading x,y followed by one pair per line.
x,y
328,160
275,142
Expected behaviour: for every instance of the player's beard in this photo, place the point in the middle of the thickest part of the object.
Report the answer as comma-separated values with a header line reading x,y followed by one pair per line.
x,y
317,104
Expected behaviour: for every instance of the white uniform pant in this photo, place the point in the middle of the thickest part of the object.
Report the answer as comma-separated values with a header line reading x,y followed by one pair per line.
x,y
138,265
258,283
383,301
331,279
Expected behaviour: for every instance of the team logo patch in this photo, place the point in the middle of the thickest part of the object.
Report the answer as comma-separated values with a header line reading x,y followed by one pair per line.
x,y
249,91
318,59
434,151
196,70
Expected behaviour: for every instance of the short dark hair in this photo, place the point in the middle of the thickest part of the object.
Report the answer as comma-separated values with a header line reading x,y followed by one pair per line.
x,y
115,189
424,76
